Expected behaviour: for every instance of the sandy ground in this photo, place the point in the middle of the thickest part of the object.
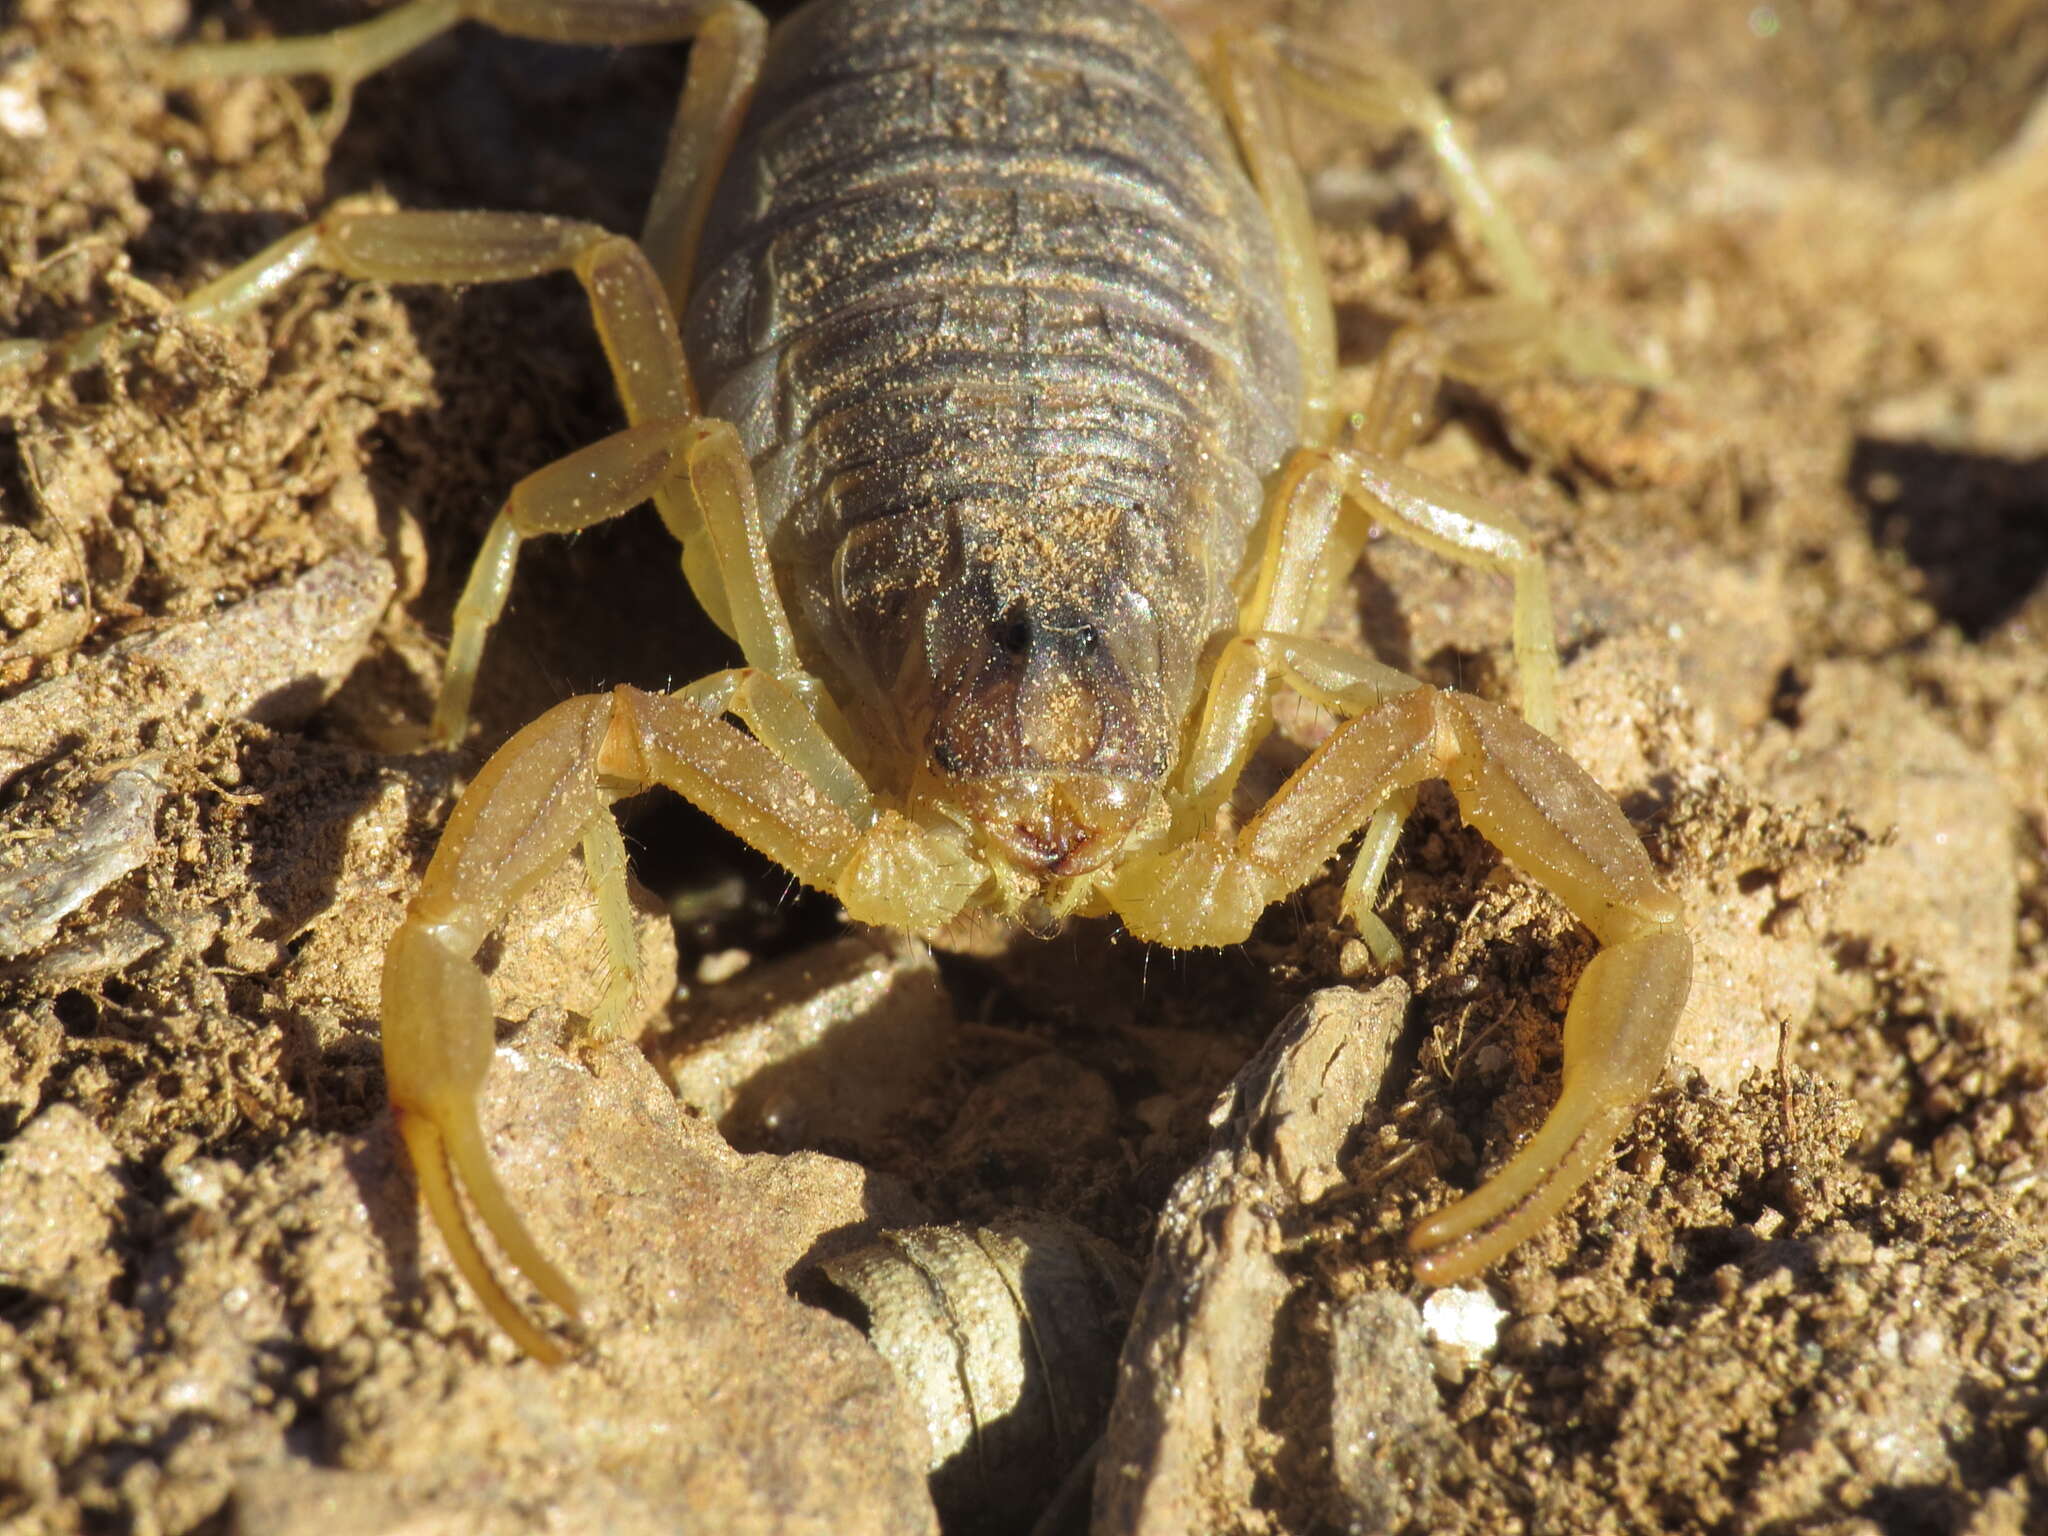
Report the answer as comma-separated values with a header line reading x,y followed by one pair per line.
x,y
1799,591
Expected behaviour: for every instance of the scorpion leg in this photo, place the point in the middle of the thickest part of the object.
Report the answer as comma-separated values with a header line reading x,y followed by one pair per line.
x,y
1382,91
1494,337
1313,534
708,508
692,466
1539,808
1481,341
633,320
625,288
795,728
1464,528
1246,72
725,60
350,54
605,480
549,788
1310,540
1244,83
1452,523
696,472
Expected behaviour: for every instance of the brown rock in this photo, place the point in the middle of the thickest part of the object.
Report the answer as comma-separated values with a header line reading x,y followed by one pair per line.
x,y
822,1047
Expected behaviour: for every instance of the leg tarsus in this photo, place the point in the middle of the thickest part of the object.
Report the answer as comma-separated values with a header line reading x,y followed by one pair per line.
x,y
476,611
1369,869
1378,939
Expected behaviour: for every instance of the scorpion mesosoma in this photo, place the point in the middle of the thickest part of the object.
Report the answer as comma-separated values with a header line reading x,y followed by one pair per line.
x,y
997,432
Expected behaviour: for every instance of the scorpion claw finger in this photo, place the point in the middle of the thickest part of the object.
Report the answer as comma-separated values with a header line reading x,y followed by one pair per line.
x,y
1462,1239
439,1160
438,1045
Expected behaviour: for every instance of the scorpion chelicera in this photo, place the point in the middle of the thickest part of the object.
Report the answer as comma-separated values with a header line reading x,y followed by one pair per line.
x,y
978,355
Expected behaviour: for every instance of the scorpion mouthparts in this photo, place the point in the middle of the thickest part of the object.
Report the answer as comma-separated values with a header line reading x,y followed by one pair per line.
x,y
1040,920
1054,826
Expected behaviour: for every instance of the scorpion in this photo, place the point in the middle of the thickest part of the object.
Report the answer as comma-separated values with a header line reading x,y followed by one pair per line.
x,y
978,355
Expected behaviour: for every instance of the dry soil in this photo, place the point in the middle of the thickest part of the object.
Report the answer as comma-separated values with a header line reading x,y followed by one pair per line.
x,y
1799,592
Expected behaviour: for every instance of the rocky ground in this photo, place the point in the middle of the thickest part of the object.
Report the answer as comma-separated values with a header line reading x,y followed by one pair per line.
x,y
1799,590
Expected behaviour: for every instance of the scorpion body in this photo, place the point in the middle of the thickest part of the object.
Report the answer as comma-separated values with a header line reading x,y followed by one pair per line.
x,y
997,430
997,316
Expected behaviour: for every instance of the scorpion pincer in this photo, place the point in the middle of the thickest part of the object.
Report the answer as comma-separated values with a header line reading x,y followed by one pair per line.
x,y
997,431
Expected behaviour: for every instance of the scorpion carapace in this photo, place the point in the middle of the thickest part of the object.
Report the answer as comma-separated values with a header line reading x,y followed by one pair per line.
x,y
999,433
1051,731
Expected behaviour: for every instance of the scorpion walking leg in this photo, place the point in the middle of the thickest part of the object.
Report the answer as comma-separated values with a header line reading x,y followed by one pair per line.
x,y
1486,340
1312,538
639,334
1246,71
549,788
1461,527
696,473
1381,91
1539,808
1243,80
636,324
351,54
592,485
1495,337
725,60
692,466
1310,541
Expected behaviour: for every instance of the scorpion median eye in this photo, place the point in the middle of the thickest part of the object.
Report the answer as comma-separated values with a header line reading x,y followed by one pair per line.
x,y
1086,640
947,759
1014,634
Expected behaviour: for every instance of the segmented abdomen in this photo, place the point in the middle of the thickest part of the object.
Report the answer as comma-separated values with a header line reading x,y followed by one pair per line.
x,y
987,293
